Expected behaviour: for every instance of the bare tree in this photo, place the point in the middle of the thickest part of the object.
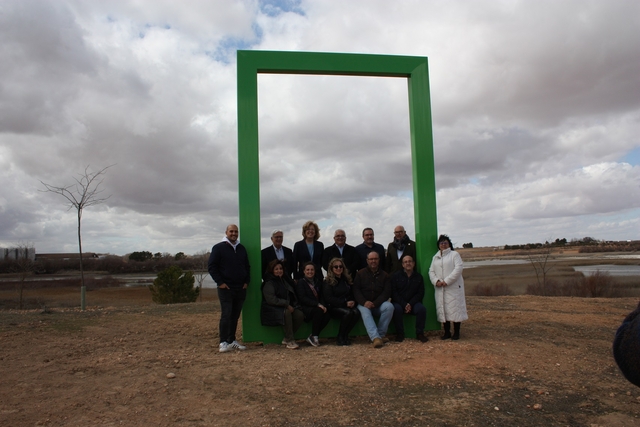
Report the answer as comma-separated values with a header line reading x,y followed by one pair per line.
x,y
84,193
202,262
540,262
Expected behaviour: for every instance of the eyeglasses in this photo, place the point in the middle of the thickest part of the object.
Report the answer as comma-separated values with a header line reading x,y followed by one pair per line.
x,y
444,242
337,266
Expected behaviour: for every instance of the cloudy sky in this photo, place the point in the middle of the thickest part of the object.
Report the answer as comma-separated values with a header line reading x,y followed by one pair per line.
x,y
536,115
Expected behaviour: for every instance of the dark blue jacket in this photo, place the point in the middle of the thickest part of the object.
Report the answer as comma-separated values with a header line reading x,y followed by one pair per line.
x,y
363,250
301,256
407,290
229,266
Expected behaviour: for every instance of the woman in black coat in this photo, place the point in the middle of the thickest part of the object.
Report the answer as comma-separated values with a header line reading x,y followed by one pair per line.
x,y
279,304
309,293
338,296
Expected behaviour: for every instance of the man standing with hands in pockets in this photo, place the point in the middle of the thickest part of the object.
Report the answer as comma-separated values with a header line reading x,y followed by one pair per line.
x,y
229,267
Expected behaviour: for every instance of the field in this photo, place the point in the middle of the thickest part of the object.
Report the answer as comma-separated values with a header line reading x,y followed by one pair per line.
x,y
522,361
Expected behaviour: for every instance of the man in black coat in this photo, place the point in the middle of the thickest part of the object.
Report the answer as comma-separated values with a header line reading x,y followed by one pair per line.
x,y
626,347
278,251
400,247
340,249
229,267
367,246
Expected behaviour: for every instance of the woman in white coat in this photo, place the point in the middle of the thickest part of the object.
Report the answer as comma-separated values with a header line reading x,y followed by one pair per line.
x,y
446,275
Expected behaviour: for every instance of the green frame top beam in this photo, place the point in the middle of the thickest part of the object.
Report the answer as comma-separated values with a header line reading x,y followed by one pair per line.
x,y
415,70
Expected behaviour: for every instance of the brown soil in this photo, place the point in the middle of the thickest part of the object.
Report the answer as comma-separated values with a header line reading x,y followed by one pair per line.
x,y
522,361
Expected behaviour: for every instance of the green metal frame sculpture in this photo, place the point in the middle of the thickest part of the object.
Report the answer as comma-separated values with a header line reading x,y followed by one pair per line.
x,y
415,70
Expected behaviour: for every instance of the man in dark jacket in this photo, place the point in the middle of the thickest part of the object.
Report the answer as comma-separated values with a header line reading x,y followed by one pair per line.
x,y
278,251
367,246
400,247
372,290
407,294
229,267
340,249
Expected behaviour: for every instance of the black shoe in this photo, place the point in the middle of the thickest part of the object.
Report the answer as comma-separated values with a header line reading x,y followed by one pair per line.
x,y
422,338
399,337
346,341
340,341
446,336
455,336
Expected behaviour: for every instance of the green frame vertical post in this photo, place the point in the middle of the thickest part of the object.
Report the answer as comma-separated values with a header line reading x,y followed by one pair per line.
x,y
415,70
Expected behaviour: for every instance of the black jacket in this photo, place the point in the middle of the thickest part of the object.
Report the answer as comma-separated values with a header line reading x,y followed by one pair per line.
x,y
306,298
336,296
229,266
277,295
268,254
407,290
349,256
301,256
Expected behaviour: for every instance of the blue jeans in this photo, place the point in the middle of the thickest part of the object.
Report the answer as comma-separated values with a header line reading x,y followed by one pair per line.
x,y
385,311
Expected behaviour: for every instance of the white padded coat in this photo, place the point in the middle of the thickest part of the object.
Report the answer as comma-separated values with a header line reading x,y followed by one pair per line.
x,y
450,302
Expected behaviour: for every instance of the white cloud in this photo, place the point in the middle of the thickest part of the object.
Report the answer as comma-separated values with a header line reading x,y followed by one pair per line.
x,y
534,106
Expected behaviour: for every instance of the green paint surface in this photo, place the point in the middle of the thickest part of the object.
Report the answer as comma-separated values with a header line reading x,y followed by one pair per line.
x,y
415,70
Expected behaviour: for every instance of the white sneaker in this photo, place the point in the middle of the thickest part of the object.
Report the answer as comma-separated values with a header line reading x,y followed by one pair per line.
x,y
292,345
285,341
224,347
237,346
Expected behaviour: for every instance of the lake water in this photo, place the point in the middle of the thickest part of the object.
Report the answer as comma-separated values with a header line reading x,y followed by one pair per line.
x,y
613,270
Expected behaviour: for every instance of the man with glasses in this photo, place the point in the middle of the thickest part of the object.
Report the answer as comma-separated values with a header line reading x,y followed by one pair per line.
x,y
367,246
278,251
340,249
400,247
372,290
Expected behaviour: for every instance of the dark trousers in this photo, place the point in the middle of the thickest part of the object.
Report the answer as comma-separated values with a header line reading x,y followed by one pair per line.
x,y
292,322
231,301
348,319
319,319
417,310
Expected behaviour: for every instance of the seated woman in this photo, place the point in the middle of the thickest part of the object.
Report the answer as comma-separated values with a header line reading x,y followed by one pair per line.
x,y
309,293
338,295
279,304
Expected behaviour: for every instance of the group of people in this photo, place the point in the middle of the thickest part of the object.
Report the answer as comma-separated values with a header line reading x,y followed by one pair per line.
x,y
361,283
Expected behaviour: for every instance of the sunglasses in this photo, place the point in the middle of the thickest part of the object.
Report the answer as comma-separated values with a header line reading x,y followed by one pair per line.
x,y
337,266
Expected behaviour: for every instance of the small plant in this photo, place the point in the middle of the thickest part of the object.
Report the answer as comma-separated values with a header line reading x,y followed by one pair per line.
x,y
173,286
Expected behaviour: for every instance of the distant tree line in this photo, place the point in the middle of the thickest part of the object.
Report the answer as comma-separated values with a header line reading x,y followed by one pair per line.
x,y
136,262
585,245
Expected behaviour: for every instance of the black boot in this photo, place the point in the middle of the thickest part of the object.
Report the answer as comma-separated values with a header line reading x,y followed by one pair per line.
x,y
342,333
456,331
447,331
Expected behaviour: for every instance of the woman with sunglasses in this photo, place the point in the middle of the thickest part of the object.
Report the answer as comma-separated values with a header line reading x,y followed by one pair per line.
x,y
446,275
338,295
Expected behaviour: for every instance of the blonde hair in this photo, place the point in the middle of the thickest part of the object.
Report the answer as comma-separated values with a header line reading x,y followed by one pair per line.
x,y
331,278
309,224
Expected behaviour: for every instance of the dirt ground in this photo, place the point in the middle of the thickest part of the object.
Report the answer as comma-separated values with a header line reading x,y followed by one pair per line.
x,y
521,361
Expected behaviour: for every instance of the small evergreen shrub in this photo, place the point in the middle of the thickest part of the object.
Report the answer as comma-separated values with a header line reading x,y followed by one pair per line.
x,y
173,286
